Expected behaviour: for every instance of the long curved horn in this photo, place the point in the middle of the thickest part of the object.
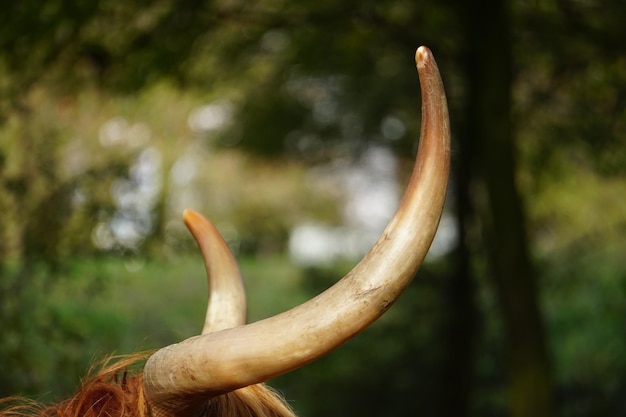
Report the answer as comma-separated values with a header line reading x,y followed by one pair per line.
x,y
227,296
205,366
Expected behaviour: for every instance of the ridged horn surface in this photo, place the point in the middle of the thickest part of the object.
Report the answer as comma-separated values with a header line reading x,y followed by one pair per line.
x,y
219,362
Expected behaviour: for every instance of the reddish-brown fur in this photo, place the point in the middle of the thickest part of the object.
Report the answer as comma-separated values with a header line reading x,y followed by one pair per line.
x,y
115,392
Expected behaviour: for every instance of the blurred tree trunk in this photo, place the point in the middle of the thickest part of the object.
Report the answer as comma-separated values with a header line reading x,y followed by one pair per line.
x,y
489,59
461,326
462,323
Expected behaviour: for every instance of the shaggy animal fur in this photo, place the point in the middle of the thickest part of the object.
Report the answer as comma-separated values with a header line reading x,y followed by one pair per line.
x,y
114,392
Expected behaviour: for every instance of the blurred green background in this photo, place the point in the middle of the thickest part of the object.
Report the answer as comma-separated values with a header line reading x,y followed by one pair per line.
x,y
292,125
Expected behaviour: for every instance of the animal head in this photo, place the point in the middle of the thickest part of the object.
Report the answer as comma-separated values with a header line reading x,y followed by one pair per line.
x,y
221,372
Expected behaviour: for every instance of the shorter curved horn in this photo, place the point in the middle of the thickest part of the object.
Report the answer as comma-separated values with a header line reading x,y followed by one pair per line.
x,y
227,296
212,364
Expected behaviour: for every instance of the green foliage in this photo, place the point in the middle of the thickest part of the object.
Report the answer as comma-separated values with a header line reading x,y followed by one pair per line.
x,y
46,330
54,327
585,289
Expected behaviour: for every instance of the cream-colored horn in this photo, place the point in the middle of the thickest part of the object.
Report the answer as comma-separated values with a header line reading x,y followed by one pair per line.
x,y
227,296
211,364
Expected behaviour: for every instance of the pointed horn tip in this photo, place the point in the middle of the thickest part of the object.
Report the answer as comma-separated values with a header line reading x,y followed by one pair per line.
x,y
422,56
191,216
194,220
187,213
